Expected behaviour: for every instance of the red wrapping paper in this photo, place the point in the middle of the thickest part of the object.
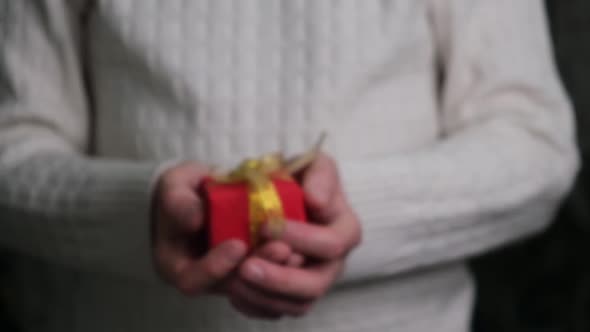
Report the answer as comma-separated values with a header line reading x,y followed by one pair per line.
x,y
227,209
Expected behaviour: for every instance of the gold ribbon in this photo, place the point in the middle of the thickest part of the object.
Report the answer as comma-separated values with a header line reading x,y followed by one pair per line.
x,y
263,199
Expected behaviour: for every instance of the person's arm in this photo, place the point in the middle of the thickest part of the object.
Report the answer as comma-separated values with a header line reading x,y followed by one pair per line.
x,y
506,158
57,203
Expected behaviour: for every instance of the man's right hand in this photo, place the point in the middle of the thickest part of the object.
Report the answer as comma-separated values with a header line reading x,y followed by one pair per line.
x,y
179,253
179,244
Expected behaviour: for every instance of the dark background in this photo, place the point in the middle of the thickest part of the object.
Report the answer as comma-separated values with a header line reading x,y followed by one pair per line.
x,y
541,284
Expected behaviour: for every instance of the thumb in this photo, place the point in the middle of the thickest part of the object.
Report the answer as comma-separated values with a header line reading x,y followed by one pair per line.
x,y
187,173
321,183
217,265
177,198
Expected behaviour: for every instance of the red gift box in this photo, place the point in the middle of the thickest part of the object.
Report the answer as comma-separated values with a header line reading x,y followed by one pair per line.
x,y
228,208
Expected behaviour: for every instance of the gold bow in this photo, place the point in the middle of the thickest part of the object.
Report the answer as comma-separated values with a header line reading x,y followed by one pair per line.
x,y
263,199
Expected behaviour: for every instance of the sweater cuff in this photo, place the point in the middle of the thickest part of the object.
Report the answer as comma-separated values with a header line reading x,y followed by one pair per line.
x,y
122,203
385,237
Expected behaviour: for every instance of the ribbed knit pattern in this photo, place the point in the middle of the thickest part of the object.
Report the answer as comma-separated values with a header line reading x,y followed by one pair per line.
x,y
98,97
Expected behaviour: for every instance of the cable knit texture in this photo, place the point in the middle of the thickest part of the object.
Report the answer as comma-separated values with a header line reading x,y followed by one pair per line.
x,y
446,117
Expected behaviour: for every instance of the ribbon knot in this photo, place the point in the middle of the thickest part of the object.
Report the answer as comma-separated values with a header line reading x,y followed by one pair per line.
x,y
263,198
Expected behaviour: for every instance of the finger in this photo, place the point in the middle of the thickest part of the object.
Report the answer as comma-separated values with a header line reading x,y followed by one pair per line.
x,y
350,229
303,284
274,251
266,302
317,241
170,262
183,208
212,269
295,260
187,173
321,182
252,311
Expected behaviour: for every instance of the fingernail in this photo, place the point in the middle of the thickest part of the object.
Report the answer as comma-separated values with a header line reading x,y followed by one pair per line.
x,y
254,272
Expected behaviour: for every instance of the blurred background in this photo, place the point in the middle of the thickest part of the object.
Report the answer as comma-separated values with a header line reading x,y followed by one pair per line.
x,y
541,284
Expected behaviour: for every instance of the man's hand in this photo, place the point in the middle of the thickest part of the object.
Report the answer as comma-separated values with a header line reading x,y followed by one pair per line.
x,y
241,293
274,289
271,282
180,255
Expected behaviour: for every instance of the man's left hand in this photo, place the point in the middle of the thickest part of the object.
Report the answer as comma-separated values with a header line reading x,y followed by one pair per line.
x,y
269,290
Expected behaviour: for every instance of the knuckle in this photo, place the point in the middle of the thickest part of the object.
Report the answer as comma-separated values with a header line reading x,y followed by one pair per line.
x,y
190,169
180,172
181,207
170,200
184,166
214,270
176,173
193,167
168,179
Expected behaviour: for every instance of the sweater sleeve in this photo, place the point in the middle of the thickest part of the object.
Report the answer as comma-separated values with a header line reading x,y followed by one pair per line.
x,y
56,202
505,159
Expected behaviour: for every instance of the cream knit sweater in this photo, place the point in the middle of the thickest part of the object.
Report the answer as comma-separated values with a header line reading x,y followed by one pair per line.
x,y
447,119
